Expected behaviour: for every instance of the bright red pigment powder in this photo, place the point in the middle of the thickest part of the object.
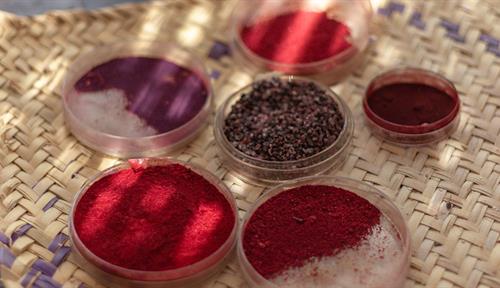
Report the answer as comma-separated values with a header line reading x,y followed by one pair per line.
x,y
297,37
304,222
154,218
410,103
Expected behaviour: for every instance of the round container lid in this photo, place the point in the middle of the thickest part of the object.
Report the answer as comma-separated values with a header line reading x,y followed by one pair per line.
x,y
411,105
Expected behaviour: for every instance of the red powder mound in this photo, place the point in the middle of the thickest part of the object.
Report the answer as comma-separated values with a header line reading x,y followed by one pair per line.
x,y
309,221
298,37
410,103
155,218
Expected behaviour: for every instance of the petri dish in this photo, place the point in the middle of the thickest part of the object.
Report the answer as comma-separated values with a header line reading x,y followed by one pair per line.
x,y
136,99
322,39
411,106
264,171
324,231
108,217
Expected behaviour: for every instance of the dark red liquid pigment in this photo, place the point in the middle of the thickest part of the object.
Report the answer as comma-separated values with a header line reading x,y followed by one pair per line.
x,y
304,222
155,218
410,103
297,37
162,93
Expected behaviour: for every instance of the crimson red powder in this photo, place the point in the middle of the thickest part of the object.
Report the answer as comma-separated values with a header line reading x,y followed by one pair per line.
x,y
155,218
297,37
309,221
410,103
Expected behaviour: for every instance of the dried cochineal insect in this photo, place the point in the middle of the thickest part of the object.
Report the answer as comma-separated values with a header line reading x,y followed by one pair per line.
x,y
283,120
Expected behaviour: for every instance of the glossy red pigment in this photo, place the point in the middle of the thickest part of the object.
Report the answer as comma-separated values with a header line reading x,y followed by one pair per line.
x,y
297,37
309,221
155,218
410,103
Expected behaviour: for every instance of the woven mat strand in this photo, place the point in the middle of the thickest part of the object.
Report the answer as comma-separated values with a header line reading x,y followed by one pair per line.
x,y
449,192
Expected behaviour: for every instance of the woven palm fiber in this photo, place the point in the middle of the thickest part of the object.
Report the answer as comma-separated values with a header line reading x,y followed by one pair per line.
x,y
449,192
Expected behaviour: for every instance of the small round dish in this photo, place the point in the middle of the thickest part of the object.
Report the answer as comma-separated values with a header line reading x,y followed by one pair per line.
x,y
113,275
136,99
382,261
349,20
265,172
411,106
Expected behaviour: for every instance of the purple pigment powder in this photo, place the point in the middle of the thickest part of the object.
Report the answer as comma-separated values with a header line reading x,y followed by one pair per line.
x,y
157,93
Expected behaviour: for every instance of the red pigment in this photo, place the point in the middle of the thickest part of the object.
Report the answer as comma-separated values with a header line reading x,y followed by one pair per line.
x,y
154,218
309,221
297,37
410,103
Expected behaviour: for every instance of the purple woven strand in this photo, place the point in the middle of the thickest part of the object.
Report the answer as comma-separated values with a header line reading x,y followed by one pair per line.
x,y
390,8
4,239
450,26
416,20
215,74
44,281
219,49
60,255
490,40
44,267
28,277
50,204
384,11
20,232
57,242
397,7
494,50
6,257
455,36
452,29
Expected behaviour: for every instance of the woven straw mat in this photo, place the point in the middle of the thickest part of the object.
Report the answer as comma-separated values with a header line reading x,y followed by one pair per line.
x,y
449,192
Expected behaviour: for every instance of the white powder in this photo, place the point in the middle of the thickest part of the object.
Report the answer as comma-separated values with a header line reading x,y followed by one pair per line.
x,y
373,264
106,111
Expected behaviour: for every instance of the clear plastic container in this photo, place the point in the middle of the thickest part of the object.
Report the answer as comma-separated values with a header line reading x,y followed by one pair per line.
x,y
188,276
411,135
261,171
134,146
390,279
356,15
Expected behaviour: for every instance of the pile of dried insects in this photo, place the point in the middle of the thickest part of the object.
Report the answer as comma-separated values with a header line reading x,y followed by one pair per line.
x,y
283,120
